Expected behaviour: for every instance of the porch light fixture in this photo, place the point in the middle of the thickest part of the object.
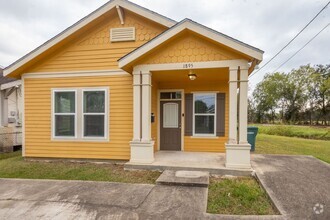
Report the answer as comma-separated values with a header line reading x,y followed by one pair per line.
x,y
191,75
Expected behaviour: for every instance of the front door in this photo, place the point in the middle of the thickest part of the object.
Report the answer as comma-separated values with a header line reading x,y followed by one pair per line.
x,y
170,125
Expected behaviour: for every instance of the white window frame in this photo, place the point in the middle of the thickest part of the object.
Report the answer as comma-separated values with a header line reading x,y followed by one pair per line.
x,y
54,91
106,106
205,114
79,120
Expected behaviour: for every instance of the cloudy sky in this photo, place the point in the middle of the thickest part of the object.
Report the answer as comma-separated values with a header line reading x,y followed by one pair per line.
x,y
268,25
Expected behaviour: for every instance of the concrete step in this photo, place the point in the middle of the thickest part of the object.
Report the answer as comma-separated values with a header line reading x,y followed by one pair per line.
x,y
184,178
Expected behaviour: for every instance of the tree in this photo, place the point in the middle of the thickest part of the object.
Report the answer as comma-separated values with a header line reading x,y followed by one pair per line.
x,y
321,79
295,92
267,95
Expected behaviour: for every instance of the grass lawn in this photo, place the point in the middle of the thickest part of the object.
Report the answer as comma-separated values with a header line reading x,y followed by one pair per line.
x,y
12,165
238,196
308,132
271,144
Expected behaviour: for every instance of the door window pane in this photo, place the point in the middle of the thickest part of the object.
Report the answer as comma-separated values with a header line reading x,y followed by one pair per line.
x,y
94,101
204,124
94,125
64,125
204,103
64,102
170,115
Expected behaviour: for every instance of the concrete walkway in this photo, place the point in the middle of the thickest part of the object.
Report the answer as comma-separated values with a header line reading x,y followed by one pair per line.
x,y
214,163
51,199
296,184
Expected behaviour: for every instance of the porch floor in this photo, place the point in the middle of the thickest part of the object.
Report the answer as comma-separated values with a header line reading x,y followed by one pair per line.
x,y
214,163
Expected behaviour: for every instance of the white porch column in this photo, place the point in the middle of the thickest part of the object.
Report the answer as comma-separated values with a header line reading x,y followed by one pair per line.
x,y
142,146
146,107
243,106
238,153
136,106
232,136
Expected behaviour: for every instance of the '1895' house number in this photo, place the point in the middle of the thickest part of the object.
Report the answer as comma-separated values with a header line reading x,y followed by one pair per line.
x,y
188,65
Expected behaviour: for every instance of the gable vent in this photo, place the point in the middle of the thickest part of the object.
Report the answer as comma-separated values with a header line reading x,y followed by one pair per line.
x,y
122,34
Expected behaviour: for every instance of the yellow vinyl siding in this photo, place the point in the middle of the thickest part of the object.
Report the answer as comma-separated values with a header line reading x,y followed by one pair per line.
x,y
203,144
37,105
189,47
92,50
154,109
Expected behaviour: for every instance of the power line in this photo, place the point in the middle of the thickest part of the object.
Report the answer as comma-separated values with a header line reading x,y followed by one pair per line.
x,y
292,39
302,48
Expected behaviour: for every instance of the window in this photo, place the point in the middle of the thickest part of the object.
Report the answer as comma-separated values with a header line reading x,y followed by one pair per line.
x,y
94,113
204,114
65,113
170,95
80,114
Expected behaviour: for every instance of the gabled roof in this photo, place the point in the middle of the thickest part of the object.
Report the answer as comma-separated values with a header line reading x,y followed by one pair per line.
x,y
167,22
188,24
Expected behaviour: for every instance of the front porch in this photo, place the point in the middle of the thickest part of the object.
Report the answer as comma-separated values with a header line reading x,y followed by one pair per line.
x,y
214,163
200,115
208,74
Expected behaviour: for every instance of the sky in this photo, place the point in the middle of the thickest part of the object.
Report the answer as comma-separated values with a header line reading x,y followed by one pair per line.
x,y
267,25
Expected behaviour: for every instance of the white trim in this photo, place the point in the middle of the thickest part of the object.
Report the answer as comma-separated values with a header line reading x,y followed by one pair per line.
x,y
11,84
23,118
243,64
53,114
115,72
83,22
105,114
158,113
188,24
205,114
120,12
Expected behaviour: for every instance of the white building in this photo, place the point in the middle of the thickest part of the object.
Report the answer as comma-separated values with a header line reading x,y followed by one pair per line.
x,y
10,113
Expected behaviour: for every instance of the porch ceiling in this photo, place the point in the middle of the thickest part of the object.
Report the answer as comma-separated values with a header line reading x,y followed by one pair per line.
x,y
203,75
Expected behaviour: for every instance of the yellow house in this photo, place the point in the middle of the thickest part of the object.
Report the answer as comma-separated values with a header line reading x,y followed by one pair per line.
x,y
125,82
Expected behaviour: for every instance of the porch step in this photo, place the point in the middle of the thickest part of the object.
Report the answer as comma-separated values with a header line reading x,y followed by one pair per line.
x,y
213,171
184,178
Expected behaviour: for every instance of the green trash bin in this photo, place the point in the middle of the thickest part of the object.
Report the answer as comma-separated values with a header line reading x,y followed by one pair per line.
x,y
251,136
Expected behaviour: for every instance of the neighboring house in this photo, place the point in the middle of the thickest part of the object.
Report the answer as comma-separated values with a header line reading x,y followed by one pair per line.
x,y
10,112
125,82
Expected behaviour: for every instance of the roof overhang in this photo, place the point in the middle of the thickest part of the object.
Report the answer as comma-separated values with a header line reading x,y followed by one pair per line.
x,y
83,22
188,24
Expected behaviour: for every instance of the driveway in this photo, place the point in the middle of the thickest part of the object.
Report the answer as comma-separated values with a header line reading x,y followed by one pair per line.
x,y
296,184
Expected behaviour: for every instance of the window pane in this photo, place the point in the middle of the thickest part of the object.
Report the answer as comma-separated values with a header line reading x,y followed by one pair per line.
x,y
94,125
64,102
204,103
94,101
64,125
165,95
176,95
204,124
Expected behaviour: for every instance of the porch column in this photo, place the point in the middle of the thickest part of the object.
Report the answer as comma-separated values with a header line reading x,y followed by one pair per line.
x,y
243,106
238,151
232,136
136,106
142,147
146,107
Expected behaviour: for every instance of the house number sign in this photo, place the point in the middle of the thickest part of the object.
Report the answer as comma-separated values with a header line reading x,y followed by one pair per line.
x,y
188,65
